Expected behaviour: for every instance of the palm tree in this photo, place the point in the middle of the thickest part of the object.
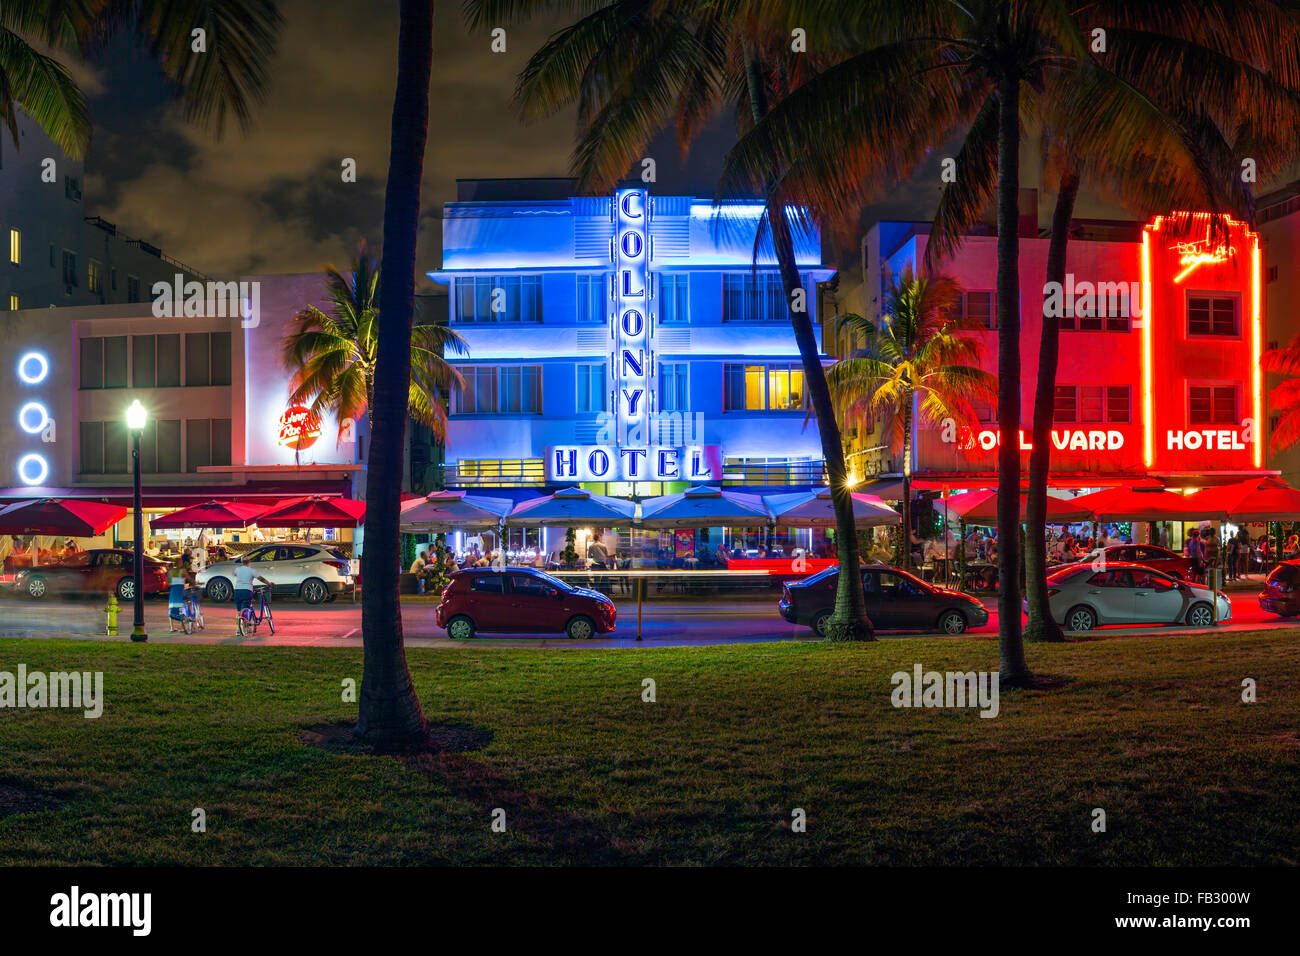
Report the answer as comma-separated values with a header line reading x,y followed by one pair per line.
x,y
332,354
915,362
935,70
226,79
1284,398
389,716
637,67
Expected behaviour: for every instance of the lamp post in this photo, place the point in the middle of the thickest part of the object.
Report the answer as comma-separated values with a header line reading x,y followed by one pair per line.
x,y
135,419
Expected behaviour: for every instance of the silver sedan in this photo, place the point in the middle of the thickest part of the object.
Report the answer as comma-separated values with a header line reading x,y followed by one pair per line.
x,y
1085,596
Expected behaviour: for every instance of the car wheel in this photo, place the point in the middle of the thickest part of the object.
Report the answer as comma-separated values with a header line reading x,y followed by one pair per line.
x,y
952,622
1200,615
219,590
1080,619
126,589
313,591
581,628
460,628
819,622
37,587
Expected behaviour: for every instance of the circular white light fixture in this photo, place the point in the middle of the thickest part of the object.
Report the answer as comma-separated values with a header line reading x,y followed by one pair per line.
x,y
33,367
136,416
36,411
33,469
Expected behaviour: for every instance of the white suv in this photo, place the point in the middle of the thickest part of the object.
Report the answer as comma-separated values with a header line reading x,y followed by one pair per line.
x,y
310,571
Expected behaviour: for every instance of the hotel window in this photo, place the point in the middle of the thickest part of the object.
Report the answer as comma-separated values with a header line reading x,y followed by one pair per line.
x,y
772,387
673,385
207,358
591,298
519,299
15,247
95,277
103,362
1110,311
104,448
1212,405
1212,315
1093,404
591,388
112,280
981,308
156,361
674,296
14,302
69,269
750,298
207,442
506,389
985,412
132,289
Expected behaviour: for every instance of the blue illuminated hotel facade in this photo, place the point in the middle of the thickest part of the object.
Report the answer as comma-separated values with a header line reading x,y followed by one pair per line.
x,y
631,343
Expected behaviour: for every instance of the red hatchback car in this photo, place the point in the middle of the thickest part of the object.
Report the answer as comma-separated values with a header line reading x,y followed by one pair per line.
x,y
1281,594
521,601
97,571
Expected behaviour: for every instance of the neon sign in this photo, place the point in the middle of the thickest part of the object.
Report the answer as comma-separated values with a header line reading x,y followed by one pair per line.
x,y
633,368
1192,255
1211,439
1068,439
649,463
296,430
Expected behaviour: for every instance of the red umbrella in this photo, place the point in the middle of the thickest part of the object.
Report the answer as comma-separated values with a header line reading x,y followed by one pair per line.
x,y
215,514
1124,503
1258,499
977,506
63,516
316,511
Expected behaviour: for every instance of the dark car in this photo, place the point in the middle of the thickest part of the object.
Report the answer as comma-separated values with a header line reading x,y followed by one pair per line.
x,y
1281,594
1148,555
896,601
97,571
521,601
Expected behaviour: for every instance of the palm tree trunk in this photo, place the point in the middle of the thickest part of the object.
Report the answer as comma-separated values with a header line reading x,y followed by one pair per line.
x,y
1041,626
390,716
849,621
1014,670
906,560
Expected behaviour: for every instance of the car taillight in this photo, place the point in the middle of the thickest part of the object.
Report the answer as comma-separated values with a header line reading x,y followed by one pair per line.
x,y
338,566
1052,592
785,593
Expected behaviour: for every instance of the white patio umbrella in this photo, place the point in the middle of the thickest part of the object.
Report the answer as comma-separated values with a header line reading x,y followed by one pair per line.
x,y
453,511
705,508
813,509
571,506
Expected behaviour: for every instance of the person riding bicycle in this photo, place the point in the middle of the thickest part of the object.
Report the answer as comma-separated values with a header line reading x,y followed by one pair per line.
x,y
245,576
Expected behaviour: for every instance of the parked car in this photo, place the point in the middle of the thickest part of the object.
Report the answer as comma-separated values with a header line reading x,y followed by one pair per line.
x,y
1148,555
97,571
1281,594
309,571
1083,597
521,600
895,601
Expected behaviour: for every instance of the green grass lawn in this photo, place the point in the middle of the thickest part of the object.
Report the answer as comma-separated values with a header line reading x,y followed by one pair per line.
x,y
1151,729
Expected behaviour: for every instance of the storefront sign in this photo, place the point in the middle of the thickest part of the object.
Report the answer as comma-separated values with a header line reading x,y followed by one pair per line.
x,y
633,370
295,428
1211,439
1200,252
651,463
1068,439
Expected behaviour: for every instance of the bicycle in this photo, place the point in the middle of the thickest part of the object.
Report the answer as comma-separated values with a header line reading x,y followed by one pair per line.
x,y
191,613
249,618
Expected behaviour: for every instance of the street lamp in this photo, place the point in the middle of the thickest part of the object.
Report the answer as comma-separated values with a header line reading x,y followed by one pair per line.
x,y
135,419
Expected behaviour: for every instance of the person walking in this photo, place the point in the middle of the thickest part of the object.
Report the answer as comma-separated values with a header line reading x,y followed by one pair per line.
x,y
1233,562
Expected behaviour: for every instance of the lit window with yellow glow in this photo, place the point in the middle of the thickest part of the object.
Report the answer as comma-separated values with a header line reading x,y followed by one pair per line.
x,y
15,246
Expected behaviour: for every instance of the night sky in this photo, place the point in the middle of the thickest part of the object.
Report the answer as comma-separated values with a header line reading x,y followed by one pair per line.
x,y
273,201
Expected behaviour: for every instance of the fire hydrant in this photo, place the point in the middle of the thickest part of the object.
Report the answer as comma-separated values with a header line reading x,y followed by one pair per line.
x,y
110,609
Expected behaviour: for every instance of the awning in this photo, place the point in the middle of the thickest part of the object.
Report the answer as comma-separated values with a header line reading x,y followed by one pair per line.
x,y
315,511
180,496
213,514
1141,504
977,506
77,519
705,508
814,509
1261,499
454,511
572,506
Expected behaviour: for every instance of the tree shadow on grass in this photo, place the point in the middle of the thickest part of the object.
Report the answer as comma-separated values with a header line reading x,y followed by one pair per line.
x,y
15,800
563,836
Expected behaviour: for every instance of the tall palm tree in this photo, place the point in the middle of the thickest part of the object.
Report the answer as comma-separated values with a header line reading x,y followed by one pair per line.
x,y
332,355
389,716
224,80
1284,398
915,362
637,67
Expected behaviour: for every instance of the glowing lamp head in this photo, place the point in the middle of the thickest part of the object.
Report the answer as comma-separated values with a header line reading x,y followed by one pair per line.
x,y
135,416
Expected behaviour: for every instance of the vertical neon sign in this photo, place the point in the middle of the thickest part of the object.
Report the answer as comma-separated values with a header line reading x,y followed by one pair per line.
x,y
1257,334
632,316
1148,426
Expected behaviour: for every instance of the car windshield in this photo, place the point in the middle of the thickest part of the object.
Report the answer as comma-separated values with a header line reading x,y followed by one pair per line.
x,y
1283,574
553,582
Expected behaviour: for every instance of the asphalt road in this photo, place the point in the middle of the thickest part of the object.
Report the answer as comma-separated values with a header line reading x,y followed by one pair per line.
x,y
664,623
